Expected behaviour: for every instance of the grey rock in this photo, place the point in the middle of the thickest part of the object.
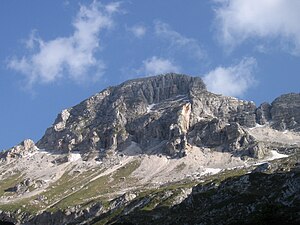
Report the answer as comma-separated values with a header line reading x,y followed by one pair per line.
x,y
262,168
19,151
100,122
226,137
24,185
8,217
258,150
285,112
263,113
60,160
122,200
207,105
73,215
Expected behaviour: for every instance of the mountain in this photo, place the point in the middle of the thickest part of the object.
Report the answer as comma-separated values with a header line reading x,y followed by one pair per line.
x,y
159,150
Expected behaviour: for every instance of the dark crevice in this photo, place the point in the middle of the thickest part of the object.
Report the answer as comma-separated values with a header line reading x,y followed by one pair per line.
x,y
6,223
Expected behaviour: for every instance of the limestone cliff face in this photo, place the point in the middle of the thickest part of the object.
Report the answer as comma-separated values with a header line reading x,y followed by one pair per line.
x,y
171,110
263,113
285,112
282,114
122,113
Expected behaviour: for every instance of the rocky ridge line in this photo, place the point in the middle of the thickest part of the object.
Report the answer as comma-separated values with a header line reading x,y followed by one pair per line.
x,y
173,109
167,108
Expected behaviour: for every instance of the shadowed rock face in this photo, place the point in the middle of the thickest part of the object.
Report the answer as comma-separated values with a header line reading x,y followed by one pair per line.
x,y
255,198
226,137
263,113
6,223
285,112
149,111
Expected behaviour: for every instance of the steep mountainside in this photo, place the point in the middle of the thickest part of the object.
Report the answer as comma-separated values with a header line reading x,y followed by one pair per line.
x,y
171,108
154,150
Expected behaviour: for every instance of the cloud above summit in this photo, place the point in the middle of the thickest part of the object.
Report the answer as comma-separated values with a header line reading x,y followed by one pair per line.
x,y
266,20
71,57
234,80
157,65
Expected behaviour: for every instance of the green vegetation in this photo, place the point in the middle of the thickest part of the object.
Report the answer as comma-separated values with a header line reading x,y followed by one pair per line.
x,y
95,190
10,182
71,189
156,195
23,204
75,188
219,177
66,185
104,219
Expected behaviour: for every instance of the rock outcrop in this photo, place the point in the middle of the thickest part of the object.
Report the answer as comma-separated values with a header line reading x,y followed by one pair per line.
x,y
73,215
263,113
227,138
23,149
285,112
25,185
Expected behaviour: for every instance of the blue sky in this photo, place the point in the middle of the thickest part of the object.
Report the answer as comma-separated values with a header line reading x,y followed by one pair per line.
x,y
56,53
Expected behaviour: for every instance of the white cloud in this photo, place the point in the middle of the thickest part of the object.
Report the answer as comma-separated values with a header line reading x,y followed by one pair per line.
x,y
113,7
154,66
239,20
232,81
71,56
138,31
177,41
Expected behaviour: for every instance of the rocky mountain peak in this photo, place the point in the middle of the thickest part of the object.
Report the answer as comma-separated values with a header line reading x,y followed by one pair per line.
x,y
155,111
158,88
21,150
104,121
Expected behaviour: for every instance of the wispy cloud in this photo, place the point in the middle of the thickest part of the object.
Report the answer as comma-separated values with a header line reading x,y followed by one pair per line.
x,y
232,81
155,65
239,20
178,42
113,7
138,31
71,57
